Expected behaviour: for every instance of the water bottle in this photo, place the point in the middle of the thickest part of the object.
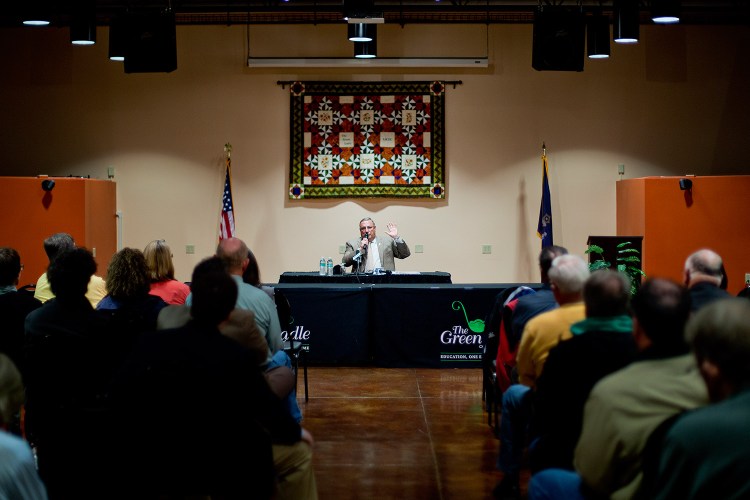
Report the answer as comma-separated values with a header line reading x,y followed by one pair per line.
x,y
329,267
322,266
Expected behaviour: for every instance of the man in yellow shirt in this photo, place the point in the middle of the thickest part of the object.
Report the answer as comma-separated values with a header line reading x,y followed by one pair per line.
x,y
567,277
54,246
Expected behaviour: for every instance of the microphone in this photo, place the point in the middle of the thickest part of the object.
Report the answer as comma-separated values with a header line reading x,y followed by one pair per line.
x,y
364,240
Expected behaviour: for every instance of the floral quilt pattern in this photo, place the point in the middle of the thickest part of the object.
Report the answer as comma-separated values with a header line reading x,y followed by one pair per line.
x,y
367,139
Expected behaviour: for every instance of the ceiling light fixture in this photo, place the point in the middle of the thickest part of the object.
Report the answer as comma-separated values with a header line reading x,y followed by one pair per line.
x,y
366,50
361,32
36,21
117,39
37,14
665,11
626,23
597,37
83,24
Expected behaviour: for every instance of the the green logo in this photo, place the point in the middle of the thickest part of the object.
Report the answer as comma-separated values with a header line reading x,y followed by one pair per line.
x,y
475,325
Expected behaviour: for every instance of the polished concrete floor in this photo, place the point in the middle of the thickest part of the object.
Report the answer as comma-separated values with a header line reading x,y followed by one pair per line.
x,y
399,433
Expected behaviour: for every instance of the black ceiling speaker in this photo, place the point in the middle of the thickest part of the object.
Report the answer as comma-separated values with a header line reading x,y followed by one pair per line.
x,y
151,45
559,36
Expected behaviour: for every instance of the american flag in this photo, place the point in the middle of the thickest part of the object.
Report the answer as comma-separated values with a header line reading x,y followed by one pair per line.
x,y
226,225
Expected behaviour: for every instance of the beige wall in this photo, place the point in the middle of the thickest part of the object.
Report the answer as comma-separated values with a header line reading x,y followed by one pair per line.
x,y
674,104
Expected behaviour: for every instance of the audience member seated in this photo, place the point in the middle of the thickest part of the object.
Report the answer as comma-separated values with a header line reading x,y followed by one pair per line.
x,y
241,327
197,417
234,253
19,479
601,344
128,292
54,246
14,305
624,408
158,257
704,272
707,451
68,362
517,311
543,300
567,276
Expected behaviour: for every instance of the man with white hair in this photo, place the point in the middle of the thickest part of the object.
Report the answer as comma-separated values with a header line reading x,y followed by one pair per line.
x,y
702,277
567,277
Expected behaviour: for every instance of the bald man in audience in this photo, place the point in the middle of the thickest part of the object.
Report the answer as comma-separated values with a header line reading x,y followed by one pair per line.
x,y
234,253
703,274
239,326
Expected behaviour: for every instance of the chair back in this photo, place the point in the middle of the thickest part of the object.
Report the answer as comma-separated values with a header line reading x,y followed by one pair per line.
x,y
283,308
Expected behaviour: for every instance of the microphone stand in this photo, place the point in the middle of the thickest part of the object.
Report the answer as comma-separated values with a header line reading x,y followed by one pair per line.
x,y
357,262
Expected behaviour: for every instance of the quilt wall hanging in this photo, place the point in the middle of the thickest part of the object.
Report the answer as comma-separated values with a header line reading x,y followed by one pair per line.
x,y
367,139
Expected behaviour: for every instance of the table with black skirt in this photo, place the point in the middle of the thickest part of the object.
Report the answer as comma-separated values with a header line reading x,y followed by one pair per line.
x,y
436,325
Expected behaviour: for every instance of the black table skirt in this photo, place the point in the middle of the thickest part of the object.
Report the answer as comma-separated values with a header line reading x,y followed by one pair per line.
x,y
391,325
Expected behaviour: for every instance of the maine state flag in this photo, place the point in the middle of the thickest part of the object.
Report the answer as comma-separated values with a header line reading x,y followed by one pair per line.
x,y
544,229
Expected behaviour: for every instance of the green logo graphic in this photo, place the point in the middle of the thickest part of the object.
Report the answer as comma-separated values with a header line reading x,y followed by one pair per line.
x,y
475,325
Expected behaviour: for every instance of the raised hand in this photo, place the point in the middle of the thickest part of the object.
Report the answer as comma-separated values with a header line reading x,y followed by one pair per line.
x,y
392,230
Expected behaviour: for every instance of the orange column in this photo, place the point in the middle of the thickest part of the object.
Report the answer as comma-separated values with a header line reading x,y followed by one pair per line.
x,y
85,208
675,222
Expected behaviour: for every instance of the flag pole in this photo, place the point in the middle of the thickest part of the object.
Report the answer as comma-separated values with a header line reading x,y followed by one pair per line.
x,y
228,153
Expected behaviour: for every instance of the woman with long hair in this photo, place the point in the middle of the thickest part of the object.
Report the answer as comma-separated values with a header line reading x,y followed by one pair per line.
x,y
128,301
161,273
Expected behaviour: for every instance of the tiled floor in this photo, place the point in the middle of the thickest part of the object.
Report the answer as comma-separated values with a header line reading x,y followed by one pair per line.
x,y
399,433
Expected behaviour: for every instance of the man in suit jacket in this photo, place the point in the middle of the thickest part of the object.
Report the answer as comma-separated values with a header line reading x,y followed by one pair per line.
x,y
361,255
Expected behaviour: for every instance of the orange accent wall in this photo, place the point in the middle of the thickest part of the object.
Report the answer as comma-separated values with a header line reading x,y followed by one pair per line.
x,y
85,208
675,223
